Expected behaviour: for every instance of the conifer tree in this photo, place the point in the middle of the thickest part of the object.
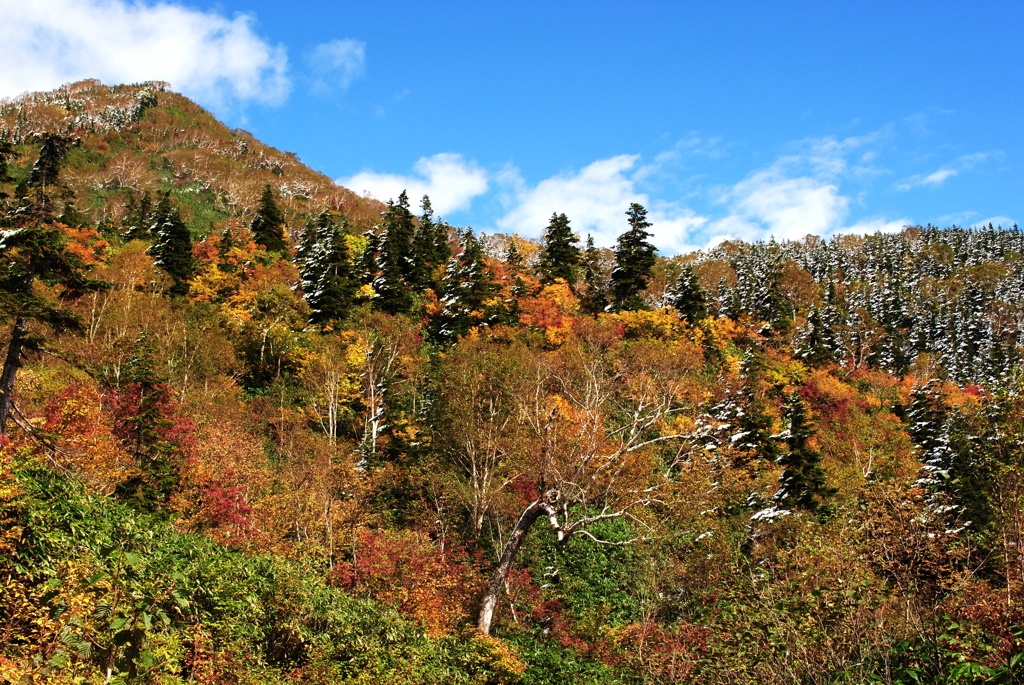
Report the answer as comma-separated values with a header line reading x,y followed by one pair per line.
x,y
268,225
802,482
47,168
815,343
595,295
687,297
328,277
28,255
172,250
395,262
466,291
634,261
559,256
138,218
431,250
6,153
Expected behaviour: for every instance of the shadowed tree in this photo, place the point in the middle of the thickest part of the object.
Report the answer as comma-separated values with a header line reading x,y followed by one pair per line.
x,y
172,250
268,225
687,296
28,255
559,256
634,260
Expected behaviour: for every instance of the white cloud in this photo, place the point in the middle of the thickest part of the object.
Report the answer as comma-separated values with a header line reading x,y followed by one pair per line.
x,y
449,180
1004,221
788,208
202,54
338,62
595,199
964,162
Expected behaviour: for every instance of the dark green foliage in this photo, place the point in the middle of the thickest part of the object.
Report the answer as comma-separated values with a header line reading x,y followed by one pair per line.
x,y
559,256
802,482
396,265
27,255
47,168
466,291
431,250
6,154
595,287
816,343
138,218
172,249
687,296
328,278
634,262
268,225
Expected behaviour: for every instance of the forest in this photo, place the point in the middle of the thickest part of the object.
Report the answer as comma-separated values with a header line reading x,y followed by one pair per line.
x,y
255,428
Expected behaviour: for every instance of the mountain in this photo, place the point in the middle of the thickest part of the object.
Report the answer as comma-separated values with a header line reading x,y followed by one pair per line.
x,y
257,429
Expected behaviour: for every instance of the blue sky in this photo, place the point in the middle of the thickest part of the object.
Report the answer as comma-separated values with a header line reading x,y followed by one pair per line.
x,y
725,119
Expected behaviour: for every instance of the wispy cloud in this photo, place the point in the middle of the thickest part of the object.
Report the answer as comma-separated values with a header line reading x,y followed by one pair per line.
x,y
939,176
219,61
337,63
450,181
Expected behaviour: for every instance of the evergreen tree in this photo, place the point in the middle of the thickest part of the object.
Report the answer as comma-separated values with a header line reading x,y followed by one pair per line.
x,y
138,218
28,255
328,277
172,250
754,421
815,343
268,225
634,261
466,291
6,153
395,262
47,168
559,256
687,296
595,295
802,482
431,250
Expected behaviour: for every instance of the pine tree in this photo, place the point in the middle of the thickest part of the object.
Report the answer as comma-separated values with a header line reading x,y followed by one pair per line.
x,y
328,277
634,262
687,297
395,262
172,250
28,255
802,482
559,256
268,225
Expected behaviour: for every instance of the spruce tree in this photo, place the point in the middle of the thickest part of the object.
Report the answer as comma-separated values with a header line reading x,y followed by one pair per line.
x,y
6,153
172,250
634,262
328,277
466,291
395,262
138,218
815,343
268,225
559,256
47,168
431,250
687,297
802,482
594,299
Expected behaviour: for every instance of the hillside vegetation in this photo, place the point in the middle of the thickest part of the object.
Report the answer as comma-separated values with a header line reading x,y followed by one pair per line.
x,y
255,428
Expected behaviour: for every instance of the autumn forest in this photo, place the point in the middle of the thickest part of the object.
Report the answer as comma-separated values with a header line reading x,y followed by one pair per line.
x,y
256,428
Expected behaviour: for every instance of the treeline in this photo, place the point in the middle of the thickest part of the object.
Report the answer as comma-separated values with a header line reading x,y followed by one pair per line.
x,y
286,443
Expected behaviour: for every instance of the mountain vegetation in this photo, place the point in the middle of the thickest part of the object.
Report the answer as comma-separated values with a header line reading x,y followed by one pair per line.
x,y
255,428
